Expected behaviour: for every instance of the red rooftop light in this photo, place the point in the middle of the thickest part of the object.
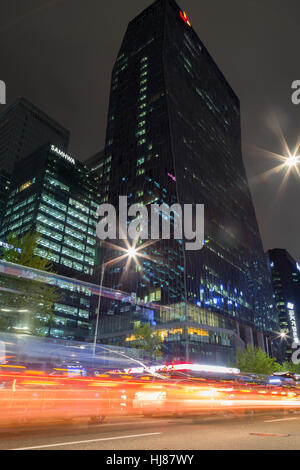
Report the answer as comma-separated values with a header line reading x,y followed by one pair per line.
x,y
185,18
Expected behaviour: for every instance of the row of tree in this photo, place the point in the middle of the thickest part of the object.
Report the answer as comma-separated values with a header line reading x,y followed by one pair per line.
x,y
252,360
256,361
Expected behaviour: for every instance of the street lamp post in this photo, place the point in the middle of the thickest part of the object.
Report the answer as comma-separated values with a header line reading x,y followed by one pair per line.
x,y
99,305
283,335
130,253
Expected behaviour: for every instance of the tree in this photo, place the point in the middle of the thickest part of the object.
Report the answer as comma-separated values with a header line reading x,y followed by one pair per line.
x,y
147,339
290,367
256,361
27,303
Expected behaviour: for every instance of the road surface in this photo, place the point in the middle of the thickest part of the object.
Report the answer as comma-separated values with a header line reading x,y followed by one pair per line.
x,y
259,432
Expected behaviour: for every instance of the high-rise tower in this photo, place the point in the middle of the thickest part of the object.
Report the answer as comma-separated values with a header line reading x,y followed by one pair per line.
x,y
286,284
174,136
23,129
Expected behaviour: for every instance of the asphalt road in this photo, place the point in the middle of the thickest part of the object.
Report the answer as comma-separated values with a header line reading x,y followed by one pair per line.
x,y
261,432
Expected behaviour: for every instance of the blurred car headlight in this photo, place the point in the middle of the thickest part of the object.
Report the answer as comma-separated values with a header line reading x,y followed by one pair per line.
x,y
151,396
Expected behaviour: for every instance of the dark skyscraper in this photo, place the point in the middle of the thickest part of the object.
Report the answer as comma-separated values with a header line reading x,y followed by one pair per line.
x,y
95,161
174,136
286,284
23,129
4,191
100,165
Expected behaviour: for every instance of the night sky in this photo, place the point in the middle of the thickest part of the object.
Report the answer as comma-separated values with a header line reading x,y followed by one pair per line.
x,y
59,54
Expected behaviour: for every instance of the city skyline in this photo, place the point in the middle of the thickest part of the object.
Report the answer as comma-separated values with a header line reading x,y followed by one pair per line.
x,y
149,227
74,95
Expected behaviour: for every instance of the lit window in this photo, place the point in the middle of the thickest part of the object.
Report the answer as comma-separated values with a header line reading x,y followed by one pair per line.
x,y
140,161
24,186
140,133
140,172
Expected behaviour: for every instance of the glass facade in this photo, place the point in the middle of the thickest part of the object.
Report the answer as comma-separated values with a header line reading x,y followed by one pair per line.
x,y
4,192
174,136
286,284
56,196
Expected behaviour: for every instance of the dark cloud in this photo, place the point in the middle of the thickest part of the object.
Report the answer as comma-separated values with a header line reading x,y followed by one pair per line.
x,y
59,54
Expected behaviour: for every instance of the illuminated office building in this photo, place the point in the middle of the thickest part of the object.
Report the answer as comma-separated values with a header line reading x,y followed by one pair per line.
x,y
286,285
57,196
23,129
174,136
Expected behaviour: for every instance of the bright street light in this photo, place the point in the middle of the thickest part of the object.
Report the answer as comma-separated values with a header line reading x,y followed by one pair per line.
x,y
292,161
288,160
130,253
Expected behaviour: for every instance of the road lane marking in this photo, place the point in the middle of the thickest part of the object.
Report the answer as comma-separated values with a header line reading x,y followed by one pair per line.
x,y
88,441
130,422
277,420
83,426
268,434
